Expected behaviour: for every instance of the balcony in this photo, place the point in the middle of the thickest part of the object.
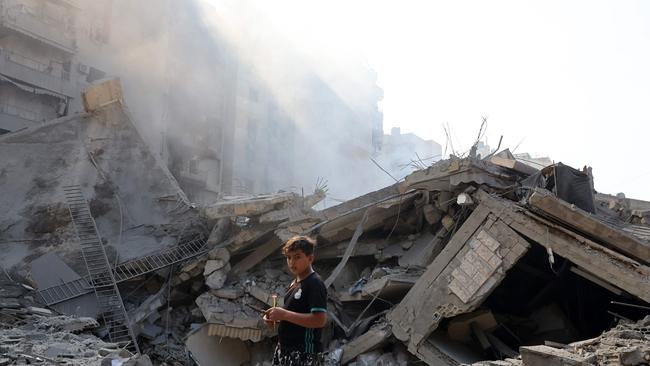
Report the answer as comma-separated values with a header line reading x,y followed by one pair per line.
x,y
13,118
58,33
38,74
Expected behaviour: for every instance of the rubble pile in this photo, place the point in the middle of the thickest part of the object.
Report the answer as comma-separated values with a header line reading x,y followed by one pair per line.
x,y
471,259
32,335
627,344
466,260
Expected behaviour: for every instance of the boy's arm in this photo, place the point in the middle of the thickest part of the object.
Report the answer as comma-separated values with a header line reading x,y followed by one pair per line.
x,y
307,320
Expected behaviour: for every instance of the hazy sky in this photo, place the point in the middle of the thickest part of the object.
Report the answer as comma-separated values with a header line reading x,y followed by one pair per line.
x,y
564,79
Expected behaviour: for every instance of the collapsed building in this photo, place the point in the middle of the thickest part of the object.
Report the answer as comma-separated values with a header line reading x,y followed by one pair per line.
x,y
474,260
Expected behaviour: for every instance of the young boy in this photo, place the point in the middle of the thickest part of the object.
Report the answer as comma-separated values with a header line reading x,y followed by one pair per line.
x,y
305,309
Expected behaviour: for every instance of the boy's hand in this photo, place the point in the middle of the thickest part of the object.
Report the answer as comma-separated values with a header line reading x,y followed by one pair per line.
x,y
275,314
268,323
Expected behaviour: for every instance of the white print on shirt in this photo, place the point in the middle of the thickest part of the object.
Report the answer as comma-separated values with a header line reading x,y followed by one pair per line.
x,y
297,294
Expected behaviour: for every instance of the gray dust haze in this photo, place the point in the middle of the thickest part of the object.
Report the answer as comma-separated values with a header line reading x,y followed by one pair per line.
x,y
220,79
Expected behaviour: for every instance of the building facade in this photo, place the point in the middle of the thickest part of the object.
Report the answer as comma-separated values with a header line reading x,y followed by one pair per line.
x,y
223,121
40,78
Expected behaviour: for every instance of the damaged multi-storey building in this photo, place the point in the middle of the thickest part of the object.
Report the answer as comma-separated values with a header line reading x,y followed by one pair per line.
x,y
142,220
41,72
200,96
474,260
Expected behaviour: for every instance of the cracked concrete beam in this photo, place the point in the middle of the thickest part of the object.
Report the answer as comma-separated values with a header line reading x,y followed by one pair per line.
x,y
472,264
246,206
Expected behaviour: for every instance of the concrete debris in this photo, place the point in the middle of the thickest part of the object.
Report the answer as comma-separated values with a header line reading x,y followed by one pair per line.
x,y
217,278
465,228
32,335
469,259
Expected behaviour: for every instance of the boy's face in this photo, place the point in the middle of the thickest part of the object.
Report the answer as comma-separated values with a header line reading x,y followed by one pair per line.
x,y
298,262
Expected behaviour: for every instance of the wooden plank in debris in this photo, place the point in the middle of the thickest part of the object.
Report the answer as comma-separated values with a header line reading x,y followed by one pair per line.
x,y
588,224
599,261
368,341
256,256
404,314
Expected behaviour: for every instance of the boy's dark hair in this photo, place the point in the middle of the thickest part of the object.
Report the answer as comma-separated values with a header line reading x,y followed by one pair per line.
x,y
304,243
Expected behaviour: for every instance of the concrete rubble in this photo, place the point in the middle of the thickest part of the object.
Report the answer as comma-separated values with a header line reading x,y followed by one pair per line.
x,y
473,260
31,335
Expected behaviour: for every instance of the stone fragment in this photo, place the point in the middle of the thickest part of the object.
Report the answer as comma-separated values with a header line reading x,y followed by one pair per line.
x,y
228,293
219,253
150,331
217,279
272,273
213,265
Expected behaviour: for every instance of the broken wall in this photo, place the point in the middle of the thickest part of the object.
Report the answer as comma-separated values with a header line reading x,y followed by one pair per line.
x,y
136,203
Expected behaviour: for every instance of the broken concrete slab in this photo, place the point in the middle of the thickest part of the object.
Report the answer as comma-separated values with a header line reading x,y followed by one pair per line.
x,y
364,248
404,314
368,341
257,256
213,265
628,274
507,160
423,250
219,253
247,206
150,331
466,271
590,225
549,356
265,296
217,278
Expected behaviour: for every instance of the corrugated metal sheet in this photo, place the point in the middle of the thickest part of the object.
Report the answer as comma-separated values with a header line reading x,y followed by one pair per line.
x,y
245,334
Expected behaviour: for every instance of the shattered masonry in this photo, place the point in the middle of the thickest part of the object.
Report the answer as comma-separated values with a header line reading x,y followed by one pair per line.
x,y
469,261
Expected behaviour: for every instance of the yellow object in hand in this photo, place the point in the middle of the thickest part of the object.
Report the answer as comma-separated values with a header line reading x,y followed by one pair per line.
x,y
274,299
